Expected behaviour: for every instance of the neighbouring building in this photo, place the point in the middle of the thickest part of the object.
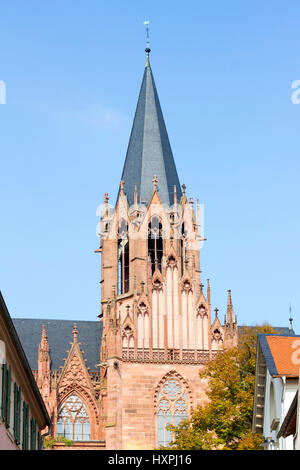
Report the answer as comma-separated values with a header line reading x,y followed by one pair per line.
x,y
276,384
290,425
156,327
23,413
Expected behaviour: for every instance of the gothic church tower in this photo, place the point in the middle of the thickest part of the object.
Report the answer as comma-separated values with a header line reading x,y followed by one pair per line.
x,y
158,329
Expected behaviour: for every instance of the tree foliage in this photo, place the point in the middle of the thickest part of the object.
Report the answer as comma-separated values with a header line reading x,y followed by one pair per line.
x,y
224,422
50,441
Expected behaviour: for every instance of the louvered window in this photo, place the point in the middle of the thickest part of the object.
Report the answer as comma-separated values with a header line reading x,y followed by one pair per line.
x,y
39,441
33,434
17,412
6,389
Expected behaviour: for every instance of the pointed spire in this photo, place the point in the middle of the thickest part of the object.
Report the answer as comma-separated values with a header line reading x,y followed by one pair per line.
x,y
208,292
43,358
229,308
149,149
44,340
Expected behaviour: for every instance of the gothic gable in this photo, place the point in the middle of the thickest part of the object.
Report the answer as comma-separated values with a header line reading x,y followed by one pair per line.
x,y
74,371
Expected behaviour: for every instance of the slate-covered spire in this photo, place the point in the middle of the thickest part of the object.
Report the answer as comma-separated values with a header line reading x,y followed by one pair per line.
x,y
149,152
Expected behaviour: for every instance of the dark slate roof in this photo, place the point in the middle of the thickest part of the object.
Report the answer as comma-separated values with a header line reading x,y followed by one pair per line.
x,y
59,333
149,152
279,330
262,338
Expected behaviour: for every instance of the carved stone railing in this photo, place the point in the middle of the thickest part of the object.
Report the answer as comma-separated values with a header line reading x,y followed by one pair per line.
x,y
55,374
198,356
95,376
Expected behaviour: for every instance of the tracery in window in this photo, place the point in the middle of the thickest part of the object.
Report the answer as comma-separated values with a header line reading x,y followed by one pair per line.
x,y
73,420
155,243
172,407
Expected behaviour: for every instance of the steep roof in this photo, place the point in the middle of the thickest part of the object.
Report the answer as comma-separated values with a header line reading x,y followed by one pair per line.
x,y
280,353
59,333
149,152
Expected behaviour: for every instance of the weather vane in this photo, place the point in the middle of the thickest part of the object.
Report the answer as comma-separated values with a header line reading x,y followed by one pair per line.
x,y
146,24
291,319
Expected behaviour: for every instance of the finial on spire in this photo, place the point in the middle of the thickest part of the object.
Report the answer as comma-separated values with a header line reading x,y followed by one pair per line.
x,y
229,300
44,331
154,181
44,339
148,50
229,308
75,333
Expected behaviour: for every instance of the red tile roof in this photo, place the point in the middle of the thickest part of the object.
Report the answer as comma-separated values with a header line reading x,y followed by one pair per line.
x,y
285,351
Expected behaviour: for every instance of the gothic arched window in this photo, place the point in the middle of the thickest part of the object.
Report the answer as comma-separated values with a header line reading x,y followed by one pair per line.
x,y
155,243
73,420
123,258
172,407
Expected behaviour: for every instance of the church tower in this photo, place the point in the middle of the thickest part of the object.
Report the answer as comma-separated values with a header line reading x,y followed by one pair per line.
x,y
158,329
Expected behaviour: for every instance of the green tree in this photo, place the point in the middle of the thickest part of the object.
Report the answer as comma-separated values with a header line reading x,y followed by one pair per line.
x,y
224,422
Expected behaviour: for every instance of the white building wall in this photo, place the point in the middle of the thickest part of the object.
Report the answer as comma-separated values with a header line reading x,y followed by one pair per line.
x,y
289,390
276,405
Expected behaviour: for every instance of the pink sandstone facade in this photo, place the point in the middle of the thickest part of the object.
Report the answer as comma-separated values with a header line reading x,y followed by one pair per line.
x,y
158,334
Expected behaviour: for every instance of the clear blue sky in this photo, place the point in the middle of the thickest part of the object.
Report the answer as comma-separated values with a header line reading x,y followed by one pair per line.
x,y
223,70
